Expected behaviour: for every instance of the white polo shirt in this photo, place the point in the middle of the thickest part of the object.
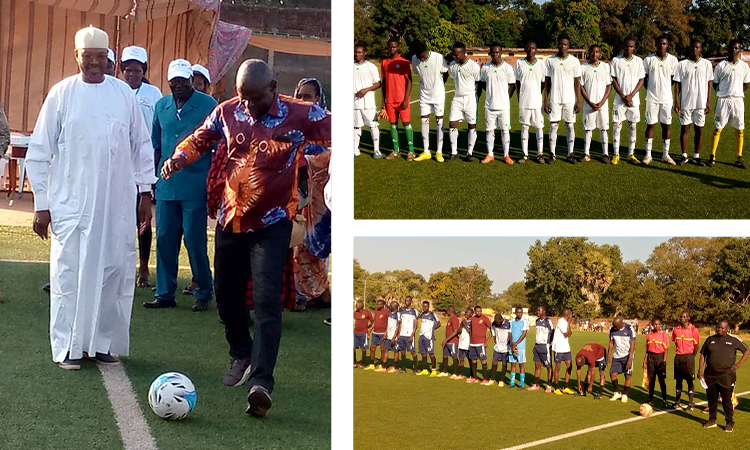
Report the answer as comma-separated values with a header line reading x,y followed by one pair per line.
x,y
497,79
627,72
530,78
430,71
365,75
731,78
660,73
466,75
562,72
693,78
595,80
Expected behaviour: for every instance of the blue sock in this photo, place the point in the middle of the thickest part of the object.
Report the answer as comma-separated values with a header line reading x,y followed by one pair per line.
x,y
522,376
512,378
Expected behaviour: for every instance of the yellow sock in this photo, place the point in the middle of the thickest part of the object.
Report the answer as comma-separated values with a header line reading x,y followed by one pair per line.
x,y
739,134
717,135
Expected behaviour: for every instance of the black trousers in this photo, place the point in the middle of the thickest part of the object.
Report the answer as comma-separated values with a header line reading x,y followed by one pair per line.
x,y
144,240
713,392
260,255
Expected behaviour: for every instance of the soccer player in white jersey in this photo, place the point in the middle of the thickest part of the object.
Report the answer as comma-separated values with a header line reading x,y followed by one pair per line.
x,y
693,98
731,78
433,73
562,95
465,72
366,82
530,73
660,68
542,349
409,318
497,78
429,322
627,79
596,83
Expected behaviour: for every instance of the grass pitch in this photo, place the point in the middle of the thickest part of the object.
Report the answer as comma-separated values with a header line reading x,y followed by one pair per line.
x,y
393,411
429,190
45,407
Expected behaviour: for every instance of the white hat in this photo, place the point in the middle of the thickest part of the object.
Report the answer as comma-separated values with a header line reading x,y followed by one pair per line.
x,y
179,68
203,71
134,53
111,55
91,37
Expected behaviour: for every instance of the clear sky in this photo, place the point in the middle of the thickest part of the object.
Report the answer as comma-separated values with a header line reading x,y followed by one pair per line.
x,y
504,258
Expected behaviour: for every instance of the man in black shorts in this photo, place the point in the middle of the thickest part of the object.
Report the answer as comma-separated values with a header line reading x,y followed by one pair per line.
x,y
686,340
591,355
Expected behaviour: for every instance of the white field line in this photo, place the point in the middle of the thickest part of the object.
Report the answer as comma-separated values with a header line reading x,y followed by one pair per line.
x,y
417,100
598,427
150,266
134,430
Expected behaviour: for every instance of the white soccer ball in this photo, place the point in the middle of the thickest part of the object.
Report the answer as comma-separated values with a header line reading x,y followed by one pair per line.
x,y
172,396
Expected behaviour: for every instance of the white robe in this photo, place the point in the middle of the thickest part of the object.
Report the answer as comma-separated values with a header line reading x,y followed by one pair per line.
x,y
89,150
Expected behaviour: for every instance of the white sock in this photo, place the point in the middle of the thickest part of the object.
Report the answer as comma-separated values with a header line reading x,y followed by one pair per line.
x,y
696,155
525,140
684,155
357,134
616,127
472,139
426,134
587,141
540,140
571,138
665,152
454,140
553,137
490,142
649,144
375,133
605,142
632,137
440,133
506,143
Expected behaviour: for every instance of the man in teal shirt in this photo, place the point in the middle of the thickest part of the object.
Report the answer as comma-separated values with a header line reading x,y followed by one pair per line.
x,y
181,200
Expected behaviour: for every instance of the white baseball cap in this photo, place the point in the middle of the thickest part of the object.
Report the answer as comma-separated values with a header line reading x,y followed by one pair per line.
x,y
111,55
203,71
179,68
91,37
134,53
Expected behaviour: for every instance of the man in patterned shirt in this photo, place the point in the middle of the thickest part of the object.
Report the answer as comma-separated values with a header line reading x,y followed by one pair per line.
x,y
267,135
429,322
542,349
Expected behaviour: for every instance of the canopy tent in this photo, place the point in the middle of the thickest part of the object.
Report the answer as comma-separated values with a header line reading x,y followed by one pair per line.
x,y
37,43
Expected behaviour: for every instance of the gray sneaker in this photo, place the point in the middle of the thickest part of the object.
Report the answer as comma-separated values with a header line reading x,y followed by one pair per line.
x,y
70,364
258,401
238,372
201,305
106,358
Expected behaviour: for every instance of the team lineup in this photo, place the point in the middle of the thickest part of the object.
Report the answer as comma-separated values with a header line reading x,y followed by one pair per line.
x,y
392,329
561,87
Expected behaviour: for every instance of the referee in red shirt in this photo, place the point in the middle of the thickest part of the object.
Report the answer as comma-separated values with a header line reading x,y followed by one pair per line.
x,y
686,339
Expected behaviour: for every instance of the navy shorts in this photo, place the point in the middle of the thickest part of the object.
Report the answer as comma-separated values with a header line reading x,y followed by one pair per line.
x,y
463,353
601,363
477,352
360,340
451,350
390,347
405,345
377,339
499,356
620,365
542,354
560,357
426,346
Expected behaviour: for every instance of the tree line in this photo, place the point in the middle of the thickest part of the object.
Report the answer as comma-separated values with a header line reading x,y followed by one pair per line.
x,y
708,276
511,23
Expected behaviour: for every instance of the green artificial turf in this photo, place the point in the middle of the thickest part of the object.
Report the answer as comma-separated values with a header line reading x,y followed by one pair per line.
x,y
398,189
45,407
472,416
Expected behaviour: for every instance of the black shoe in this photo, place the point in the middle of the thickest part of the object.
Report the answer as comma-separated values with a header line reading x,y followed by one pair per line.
x,y
650,403
598,397
238,372
522,160
683,161
729,428
664,405
258,401
689,408
201,305
697,162
106,358
452,157
709,424
739,163
552,159
578,394
605,159
158,304
46,288
469,158
676,406
70,364
188,290
327,321
711,161
572,159
540,159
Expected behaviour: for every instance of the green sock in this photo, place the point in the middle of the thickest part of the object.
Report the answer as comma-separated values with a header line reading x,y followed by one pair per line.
x,y
409,137
394,137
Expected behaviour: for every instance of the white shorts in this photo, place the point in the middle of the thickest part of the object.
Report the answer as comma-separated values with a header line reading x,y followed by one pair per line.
x,y
499,118
730,111
531,117
564,112
596,119
365,117
425,109
464,108
696,116
621,112
658,112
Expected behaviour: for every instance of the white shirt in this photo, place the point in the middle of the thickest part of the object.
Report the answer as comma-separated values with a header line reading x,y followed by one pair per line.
x,y
560,343
394,318
595,80
408,321
429,320
660,74
627,73
466,75
693,78
365,75
147,96
562,72
430,71
497,78
502,336
464,339
731,78
530,78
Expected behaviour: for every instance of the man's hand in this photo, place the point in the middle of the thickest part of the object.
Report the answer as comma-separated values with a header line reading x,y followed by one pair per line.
x,y
171,166
700,374
677,108
708,108
41,223
144,213
735,367
361,93
411,339
577,107
443,344
405,103
546,106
